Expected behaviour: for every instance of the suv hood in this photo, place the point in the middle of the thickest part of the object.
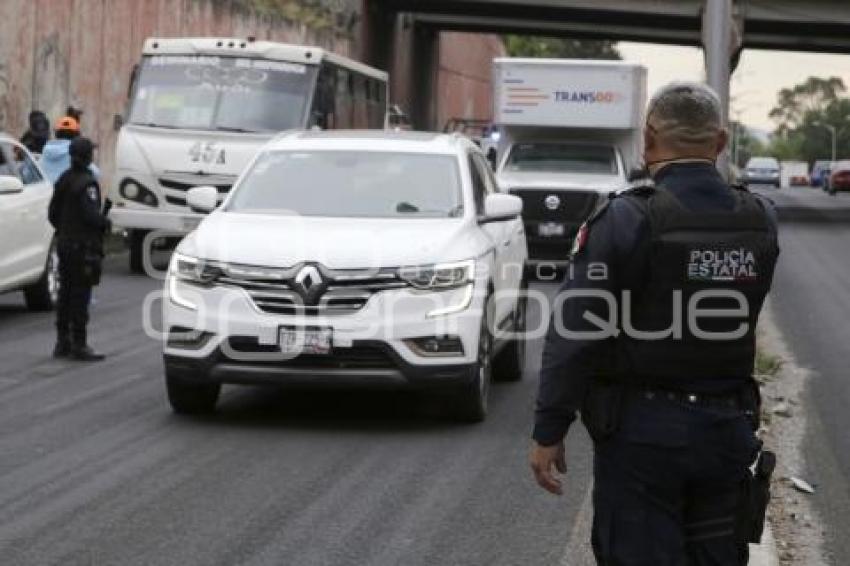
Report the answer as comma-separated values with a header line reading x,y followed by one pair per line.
x,y
577,181
338,243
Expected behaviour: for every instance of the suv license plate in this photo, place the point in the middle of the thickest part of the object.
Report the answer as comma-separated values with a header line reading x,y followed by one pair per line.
x,y
306,341
551,229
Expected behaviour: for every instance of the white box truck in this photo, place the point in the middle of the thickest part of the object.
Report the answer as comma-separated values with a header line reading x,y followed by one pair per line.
x,y
569,131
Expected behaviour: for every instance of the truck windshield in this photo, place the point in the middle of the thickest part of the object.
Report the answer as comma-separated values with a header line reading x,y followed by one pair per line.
x,y
376,184
221,93
562,158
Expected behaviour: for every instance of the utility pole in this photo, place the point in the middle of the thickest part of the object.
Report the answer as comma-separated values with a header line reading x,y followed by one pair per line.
x,y
717,41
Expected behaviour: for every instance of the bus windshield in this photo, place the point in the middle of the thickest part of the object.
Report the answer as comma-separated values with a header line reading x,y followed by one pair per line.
x,y
562,158
222,93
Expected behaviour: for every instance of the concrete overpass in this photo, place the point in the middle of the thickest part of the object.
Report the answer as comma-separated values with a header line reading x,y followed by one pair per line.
x,y
393,25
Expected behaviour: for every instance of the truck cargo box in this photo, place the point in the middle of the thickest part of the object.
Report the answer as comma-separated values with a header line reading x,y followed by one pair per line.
x,y
568,93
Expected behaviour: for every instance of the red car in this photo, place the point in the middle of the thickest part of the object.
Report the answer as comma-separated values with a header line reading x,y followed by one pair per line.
x,y
839,178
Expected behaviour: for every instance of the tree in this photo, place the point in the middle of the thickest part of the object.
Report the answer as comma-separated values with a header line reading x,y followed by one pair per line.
x,y
802,114
560,48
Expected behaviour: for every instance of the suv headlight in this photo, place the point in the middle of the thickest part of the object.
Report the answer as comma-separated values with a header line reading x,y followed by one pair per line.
x,y
190,270
440,276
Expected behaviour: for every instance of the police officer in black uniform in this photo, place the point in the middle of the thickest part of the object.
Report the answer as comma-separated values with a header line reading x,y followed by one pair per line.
x,y
76,211
653,342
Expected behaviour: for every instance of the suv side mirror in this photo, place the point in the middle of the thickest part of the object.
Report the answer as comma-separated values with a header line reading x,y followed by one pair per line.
x,y
499,207
202,199
10,185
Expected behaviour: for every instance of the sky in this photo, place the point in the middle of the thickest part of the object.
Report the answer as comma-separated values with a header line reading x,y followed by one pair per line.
x,y
759,77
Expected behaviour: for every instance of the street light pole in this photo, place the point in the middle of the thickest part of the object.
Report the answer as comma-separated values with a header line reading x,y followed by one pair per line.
x,y
834,140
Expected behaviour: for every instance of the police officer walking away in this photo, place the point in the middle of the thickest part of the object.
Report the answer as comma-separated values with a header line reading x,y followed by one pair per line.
x,y
652,340
76,211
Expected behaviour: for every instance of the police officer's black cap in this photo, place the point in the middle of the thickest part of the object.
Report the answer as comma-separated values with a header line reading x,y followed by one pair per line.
x,y
81,147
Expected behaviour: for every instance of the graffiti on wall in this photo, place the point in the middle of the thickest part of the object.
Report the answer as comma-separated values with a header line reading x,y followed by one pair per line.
x,y
51,77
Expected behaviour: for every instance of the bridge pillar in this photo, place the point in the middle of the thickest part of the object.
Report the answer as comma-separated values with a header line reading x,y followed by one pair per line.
x,y
377,34
425,61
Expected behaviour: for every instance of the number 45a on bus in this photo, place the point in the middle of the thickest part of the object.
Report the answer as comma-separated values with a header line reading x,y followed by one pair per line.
x,y
207,152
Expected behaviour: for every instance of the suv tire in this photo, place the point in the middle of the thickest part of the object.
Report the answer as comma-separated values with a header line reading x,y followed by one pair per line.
x,y
471,400
191,398
44,293
510,361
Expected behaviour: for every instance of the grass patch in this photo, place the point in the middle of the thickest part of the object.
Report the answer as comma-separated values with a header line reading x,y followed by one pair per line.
x,y
767,364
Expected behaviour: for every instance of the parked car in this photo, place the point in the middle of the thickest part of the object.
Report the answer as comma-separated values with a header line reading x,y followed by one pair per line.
x,y
374,259
839,178
762,171
28,259
820,172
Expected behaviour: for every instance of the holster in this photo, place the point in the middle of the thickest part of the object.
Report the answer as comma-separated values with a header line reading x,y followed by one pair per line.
x,y
93,264
755,498
601,409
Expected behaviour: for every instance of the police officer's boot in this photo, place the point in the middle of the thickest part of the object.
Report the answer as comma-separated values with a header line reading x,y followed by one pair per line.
x,y
63,343
80,351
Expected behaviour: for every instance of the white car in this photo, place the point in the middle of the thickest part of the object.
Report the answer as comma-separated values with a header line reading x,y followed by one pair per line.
x,y
375,259
28,259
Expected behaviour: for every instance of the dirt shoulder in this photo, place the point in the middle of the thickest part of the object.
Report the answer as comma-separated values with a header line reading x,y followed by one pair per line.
x,y
796,527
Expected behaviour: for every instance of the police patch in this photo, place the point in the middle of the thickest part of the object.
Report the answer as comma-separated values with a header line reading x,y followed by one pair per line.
x,y
722,265
92,193
580,239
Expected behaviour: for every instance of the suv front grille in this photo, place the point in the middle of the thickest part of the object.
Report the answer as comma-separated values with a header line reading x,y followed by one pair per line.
x,y
346,292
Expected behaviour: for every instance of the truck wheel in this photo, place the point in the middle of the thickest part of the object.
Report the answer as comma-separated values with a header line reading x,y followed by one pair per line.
x,y
44,293
471,400
190,398
510,362
137,251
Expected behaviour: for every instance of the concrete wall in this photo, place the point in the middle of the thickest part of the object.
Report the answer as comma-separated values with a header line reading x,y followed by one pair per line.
x,y
56,52
59,52
464,81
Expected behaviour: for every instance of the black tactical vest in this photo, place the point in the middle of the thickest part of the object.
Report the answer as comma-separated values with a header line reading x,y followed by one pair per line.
x,y
708,277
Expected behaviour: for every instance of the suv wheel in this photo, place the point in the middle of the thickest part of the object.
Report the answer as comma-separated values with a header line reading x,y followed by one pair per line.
x,y
471,401
510,362
44,293
191,398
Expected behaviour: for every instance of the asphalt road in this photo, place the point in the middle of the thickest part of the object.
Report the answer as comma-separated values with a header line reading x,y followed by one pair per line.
x,y
811,298
95,469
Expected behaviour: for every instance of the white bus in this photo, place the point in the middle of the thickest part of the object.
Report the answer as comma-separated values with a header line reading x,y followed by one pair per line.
x,y
200,108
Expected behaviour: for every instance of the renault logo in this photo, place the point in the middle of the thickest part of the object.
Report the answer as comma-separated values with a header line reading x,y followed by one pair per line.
x,y
552,202
309,282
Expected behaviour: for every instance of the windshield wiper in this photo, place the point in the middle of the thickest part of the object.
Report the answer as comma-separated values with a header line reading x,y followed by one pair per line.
x,y
153,125
406,207
235,129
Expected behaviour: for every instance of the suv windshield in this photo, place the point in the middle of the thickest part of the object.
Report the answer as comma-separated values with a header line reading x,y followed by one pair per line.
x,y
562,158
221,93
351,184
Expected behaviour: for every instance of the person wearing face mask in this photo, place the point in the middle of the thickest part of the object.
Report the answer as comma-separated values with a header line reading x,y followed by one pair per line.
x,y
79,215
652,341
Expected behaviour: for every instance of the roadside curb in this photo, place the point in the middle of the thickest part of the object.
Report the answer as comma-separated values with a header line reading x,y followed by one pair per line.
x,y
764,554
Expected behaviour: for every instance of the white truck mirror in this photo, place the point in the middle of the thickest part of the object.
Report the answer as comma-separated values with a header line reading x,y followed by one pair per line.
x,y
10,185
499,207
202,199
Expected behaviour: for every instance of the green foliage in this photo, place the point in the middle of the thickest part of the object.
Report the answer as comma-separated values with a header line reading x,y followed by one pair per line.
x,y
744,144
314,14
802,114
559,48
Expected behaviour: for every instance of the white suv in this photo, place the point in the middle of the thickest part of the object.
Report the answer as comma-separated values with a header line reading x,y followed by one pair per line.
x,y
27,254
382,259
